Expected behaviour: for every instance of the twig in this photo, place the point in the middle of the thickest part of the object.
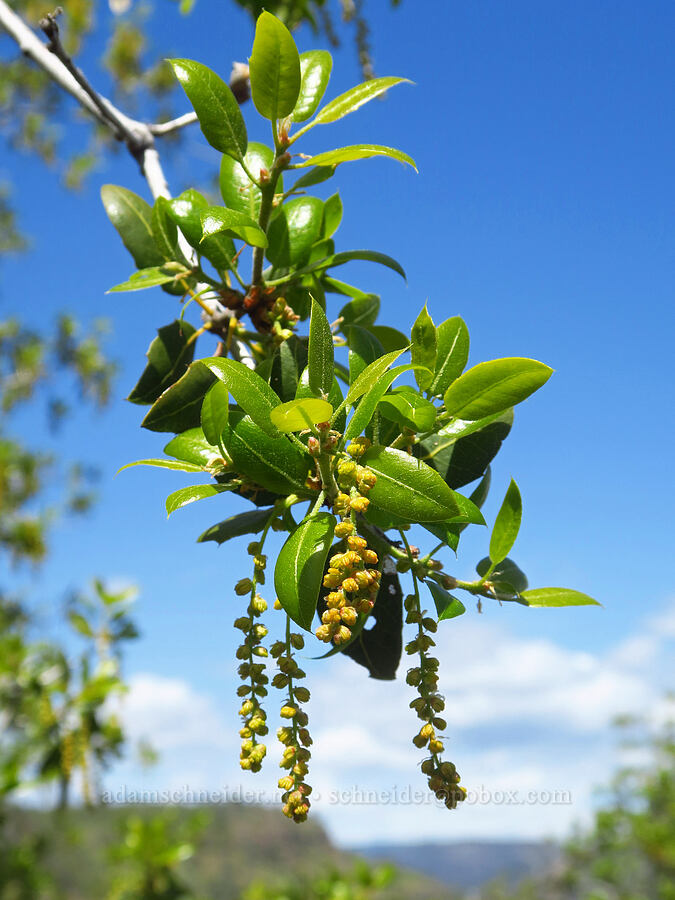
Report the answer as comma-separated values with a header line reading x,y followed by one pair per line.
x,y
163,128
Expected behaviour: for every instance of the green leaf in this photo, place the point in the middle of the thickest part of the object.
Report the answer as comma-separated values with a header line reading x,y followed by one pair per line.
x,y
423,345
356,151
370,400
320,358
164,231
80,624
315,69
505,571
296,415
177,465
190,494
354,98
237,189
218,219
188,210
447,606
335,397
178,408
452,354
370,375
317,175
218,112
151,277
300,566
390,338
272,462
250,522
274,69
185,211
408,409
251,392
445,531
192,446
339,259
289,360
406,486
169,355
332,215
507,524
364,348
556,596
362,310
461,453
215,412
294,230
132,217
491,387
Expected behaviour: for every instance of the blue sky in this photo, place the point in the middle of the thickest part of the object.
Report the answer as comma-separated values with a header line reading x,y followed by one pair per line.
x,y
543,215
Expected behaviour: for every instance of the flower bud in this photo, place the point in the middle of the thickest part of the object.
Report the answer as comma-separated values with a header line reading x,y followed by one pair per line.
x,y
344,529
288,712
301,694
243,586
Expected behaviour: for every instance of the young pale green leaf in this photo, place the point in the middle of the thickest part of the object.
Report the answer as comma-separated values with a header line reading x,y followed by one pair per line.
x,y
332,215
361,310
250,522
491,387
507,524
178,407
218,219
335,398
178,465
274,69
274,463
339,259
320,358
151,277
251,392
556,596
300,565
505,571
294,230
370,376
215,412
452,354
423,344
406,486
190,494
369,402
218,112
447,606
169,355
132,217
296,415
355,152
352,99
193,446
315,69
408,409
237,189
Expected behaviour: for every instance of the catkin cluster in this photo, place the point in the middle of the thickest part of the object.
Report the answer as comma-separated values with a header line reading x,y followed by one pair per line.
x,y
253,677
443,779
294,736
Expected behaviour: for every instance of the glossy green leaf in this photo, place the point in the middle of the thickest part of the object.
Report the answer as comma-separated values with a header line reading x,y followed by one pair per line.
x,y
237,189
300,566
289,361
274,69
361,310
315,69
274,463
332,215
339,259
370,375
355,152
185,211
452,354
320,355
364,348
296,415
294,230
164,231
188,210
215,411
423,343
556,596
491,387
317,175
507,524
186,495
218,219
169,355
354,98
132,217
178,407
408,409
505,571
194,447
370,400
250,522
251,392
218,112
445,531
447,606
406,486
390,338
462,455
151,277
177,465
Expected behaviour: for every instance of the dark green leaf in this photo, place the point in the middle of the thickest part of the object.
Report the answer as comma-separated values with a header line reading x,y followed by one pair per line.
x,y
297,415
169,355
164,231
275,69
423,343
447,606
219,220
452,354
556,596
320,354
289,361
505,571
132,217
315,69
364,349
406,486
361,310
215,412
491,387
300,566
251,392
190,494
507,524
178,408
339,259
250,522
445,531
355,152
185,211
390,338
218,112
352,99
294,230
273,463
237,189
461,453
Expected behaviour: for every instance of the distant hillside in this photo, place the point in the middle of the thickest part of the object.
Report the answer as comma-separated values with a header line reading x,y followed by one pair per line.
x,y
467,866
